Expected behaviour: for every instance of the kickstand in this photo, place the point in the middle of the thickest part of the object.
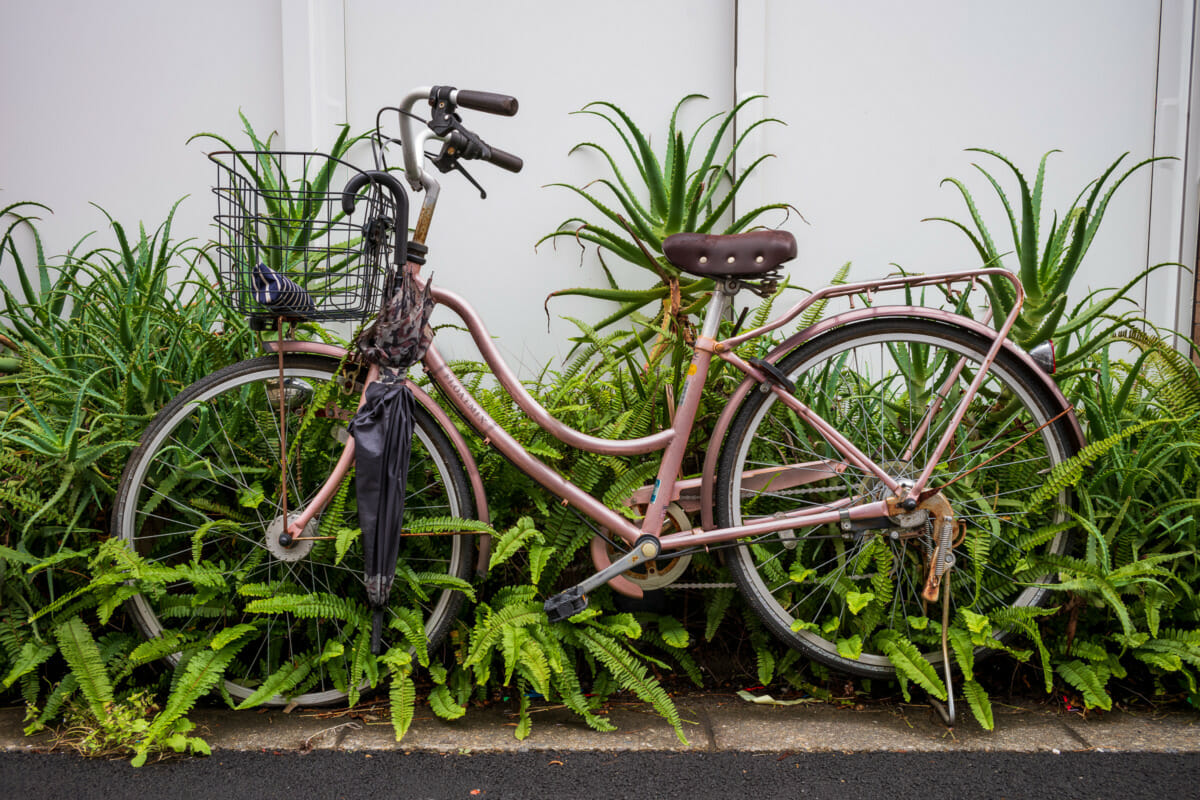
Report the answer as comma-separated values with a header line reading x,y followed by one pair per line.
x,y
946,711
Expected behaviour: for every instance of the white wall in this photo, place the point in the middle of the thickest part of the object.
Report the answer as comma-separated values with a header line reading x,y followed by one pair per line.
x,y
99,99
883,98
880,98
554,57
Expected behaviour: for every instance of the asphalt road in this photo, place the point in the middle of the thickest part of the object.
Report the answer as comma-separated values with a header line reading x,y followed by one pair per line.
x,y
596,775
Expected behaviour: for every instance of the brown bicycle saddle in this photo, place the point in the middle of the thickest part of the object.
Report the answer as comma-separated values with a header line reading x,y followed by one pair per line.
x,y
735,255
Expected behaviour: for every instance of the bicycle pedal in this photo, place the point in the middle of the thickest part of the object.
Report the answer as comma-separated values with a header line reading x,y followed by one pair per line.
x,y
565,605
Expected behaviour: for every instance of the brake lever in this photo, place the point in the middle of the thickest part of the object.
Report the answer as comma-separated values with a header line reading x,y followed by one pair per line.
x,y
448,163
482,193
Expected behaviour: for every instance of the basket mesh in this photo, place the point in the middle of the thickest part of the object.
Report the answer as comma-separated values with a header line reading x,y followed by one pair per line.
x,y
284,211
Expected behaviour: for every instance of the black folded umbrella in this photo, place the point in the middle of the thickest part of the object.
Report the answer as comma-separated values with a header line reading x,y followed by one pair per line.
x,y
382,431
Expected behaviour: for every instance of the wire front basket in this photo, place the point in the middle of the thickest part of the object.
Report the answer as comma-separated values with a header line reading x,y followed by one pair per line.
x,y
287,246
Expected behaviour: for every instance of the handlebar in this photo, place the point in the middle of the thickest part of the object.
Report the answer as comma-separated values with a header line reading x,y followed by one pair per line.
x,y
460,143
465,144
489,102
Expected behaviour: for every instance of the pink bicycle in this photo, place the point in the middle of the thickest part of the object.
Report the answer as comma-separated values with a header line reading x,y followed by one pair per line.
x,y
875,472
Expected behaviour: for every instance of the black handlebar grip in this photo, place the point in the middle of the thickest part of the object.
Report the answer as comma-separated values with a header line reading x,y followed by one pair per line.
x,y
489,102
503,160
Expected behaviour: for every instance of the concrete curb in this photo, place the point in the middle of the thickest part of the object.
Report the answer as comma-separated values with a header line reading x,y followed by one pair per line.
x,y
712,723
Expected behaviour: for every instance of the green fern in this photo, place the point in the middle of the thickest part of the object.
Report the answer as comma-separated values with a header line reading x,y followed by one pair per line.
x,y
981,706
1088,680
510,542
79,649
194,678
403,696
907,659
630,674
1071,471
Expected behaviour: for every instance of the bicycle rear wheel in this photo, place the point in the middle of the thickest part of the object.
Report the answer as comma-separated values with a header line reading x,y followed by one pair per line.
x,y
201,496
830,592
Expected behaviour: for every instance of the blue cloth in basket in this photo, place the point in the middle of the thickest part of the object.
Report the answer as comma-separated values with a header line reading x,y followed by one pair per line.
x,y
280,294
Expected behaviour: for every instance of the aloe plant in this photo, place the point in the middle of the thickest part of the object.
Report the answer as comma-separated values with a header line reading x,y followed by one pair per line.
x,y
1047,265
691,188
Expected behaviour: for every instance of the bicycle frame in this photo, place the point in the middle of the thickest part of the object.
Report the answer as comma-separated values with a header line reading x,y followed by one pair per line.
x,y
672,441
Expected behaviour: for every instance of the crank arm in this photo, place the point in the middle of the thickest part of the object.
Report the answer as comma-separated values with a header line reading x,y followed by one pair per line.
x,y
570,602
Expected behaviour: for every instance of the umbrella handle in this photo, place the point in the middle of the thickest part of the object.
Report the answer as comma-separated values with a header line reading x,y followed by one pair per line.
x,y
355,185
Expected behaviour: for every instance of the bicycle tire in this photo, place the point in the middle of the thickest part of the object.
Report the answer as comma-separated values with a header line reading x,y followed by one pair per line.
x,y
200,492
829,593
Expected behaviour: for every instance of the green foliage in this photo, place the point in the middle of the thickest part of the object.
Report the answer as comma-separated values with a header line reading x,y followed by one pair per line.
x,y
690,187
77,646
1047,260
112,732
99,338
288,219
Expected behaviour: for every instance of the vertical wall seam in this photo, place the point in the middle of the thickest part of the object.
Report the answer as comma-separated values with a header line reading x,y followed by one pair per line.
x,y
737,21
1153,153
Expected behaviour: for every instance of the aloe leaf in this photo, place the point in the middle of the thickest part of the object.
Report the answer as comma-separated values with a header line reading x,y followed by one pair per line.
x,y
676,198
1047,272
622,247
643,227
728,162
743,221
601,207
628,192
1026,241
1038,184
1049,323
653,171
1097,214
727,200
1080,321
715,144
1012,217
676,157
988,252
617,296
696,134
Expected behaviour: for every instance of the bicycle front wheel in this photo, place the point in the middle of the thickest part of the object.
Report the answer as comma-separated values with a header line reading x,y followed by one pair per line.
x,y
891,387
201,496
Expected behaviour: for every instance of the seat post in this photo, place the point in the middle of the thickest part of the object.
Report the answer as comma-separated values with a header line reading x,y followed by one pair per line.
x,y
717,306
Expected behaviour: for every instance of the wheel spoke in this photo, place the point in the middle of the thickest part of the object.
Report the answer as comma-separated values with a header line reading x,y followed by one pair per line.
x,y
208,467
877,383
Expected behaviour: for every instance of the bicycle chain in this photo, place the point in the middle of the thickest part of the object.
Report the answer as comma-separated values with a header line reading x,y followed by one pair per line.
x,y
701,586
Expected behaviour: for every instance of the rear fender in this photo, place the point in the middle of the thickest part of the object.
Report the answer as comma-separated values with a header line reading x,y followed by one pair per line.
x,y
709,475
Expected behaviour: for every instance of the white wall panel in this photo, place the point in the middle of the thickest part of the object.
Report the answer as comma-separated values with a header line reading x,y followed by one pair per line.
x,y
554,57
99,99
882,99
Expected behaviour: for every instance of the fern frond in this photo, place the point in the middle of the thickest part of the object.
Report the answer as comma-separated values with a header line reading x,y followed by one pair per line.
x,y
909,662
631,675
444,705
403,697
1071,471
281,681
1087,680
981,705
79,650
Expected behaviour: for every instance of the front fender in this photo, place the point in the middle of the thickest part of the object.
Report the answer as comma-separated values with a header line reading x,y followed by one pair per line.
x,y
709,475
429,404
